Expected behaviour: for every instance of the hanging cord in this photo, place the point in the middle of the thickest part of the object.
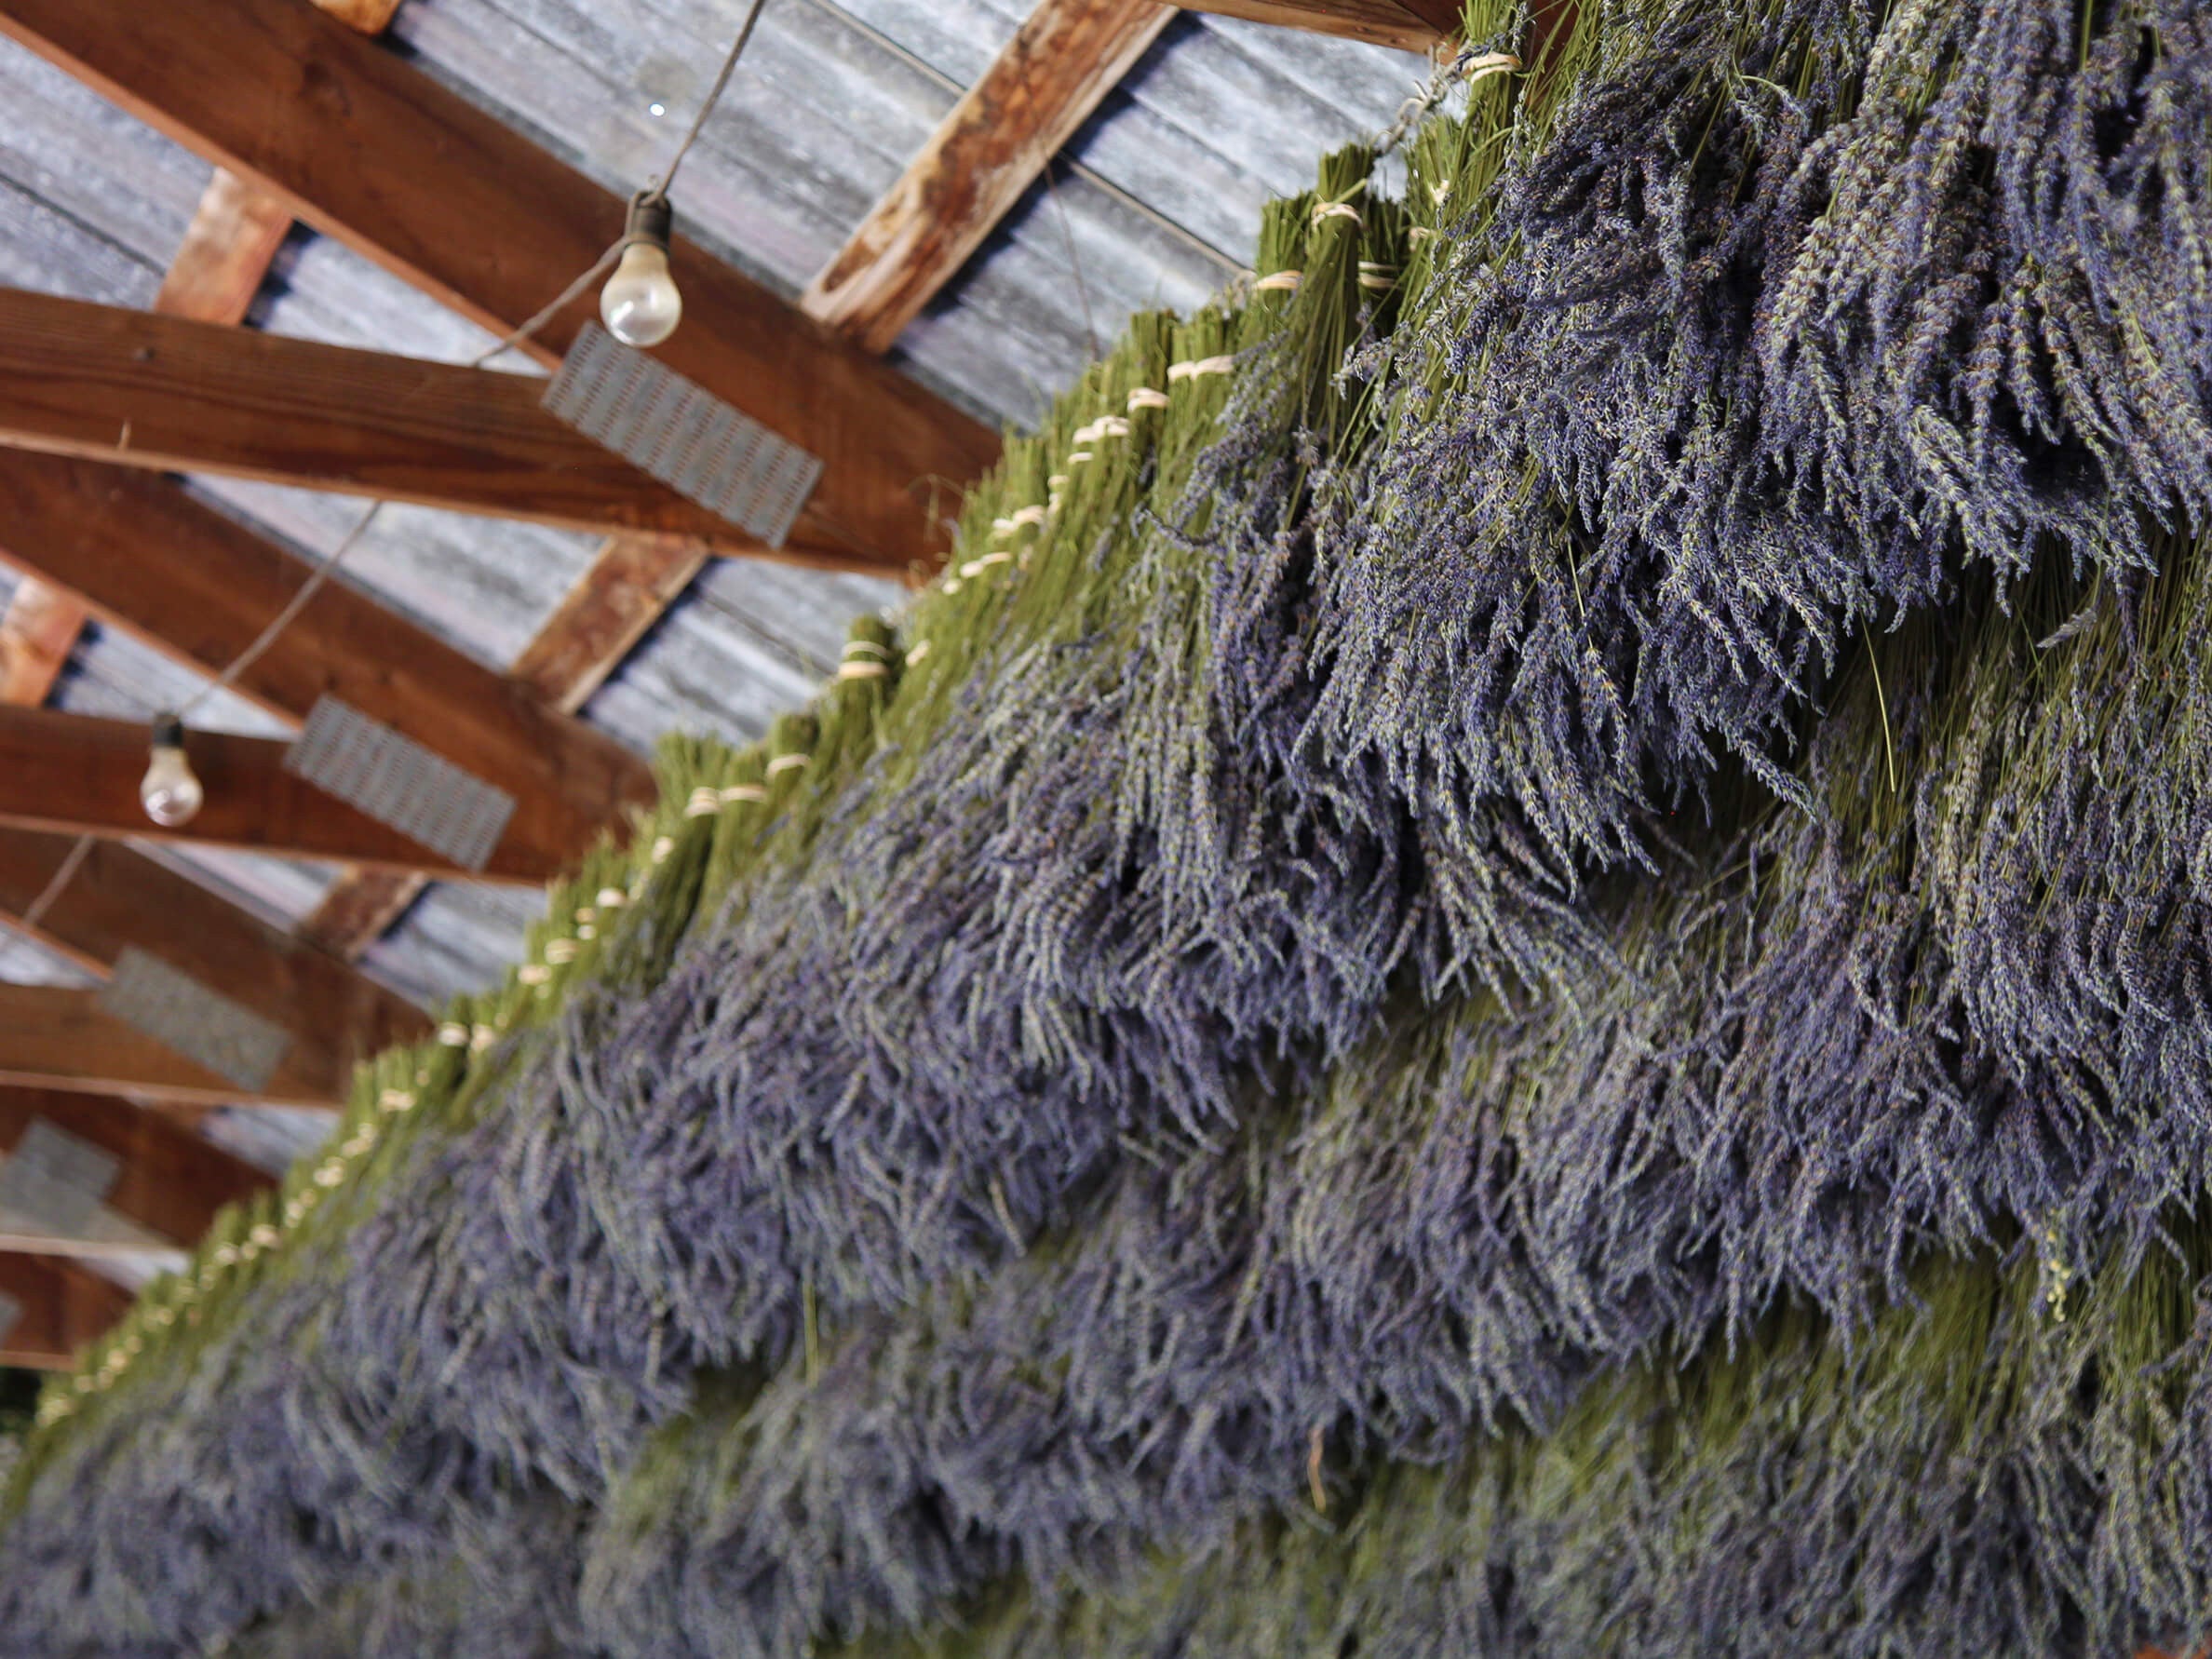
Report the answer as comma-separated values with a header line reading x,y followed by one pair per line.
x,y
27,923
658,190
1090,329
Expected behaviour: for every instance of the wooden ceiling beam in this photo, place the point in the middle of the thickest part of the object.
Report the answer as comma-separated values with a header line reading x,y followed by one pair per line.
x,y
60,1308
411,174
1063,59
65,1039
123,386
1409,25
170,1182
119,898
80,775
148,559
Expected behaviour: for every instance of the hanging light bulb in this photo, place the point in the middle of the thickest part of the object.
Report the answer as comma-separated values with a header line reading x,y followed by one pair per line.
x,y
170,791
640,303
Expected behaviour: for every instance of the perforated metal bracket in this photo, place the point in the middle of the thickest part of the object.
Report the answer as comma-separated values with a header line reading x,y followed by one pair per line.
x,y
202,1024
683,434
395,781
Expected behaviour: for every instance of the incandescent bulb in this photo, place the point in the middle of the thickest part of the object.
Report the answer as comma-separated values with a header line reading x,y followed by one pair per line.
x,y
170,792
640,303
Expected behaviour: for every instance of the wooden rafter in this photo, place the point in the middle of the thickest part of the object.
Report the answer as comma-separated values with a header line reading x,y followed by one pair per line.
x,y
80,775
147,558
1065,56
65,1039
1409,25
225,258
60,1307
134,389
409,173
36,636
120,898
370,17
170,1182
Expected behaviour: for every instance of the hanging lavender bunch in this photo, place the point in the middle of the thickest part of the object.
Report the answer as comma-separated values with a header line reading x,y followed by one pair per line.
x,y
1986,1470
1783,1091
1999,327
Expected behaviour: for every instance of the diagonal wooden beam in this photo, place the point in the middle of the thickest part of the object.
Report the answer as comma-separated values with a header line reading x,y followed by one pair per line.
x,y
1409,25
36,636
369,149
119,898
1066,57
126,387
72,774
225,258
170,1182
60,1307
370,17
147,558
54,1038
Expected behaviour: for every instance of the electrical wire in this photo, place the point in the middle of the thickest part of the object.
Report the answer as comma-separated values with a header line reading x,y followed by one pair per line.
x,y
658,189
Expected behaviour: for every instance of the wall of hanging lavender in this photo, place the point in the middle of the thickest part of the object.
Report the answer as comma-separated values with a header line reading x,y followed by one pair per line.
x,y
1517,961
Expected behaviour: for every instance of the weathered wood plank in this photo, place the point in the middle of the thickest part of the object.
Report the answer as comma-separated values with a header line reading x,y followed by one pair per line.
x,y
119,898
370,17
605,612
78,776
371,150
200,587
225,255
126,387
52,1038
36,636
1410,25
60,1308
171,1181
1066,57
360,907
